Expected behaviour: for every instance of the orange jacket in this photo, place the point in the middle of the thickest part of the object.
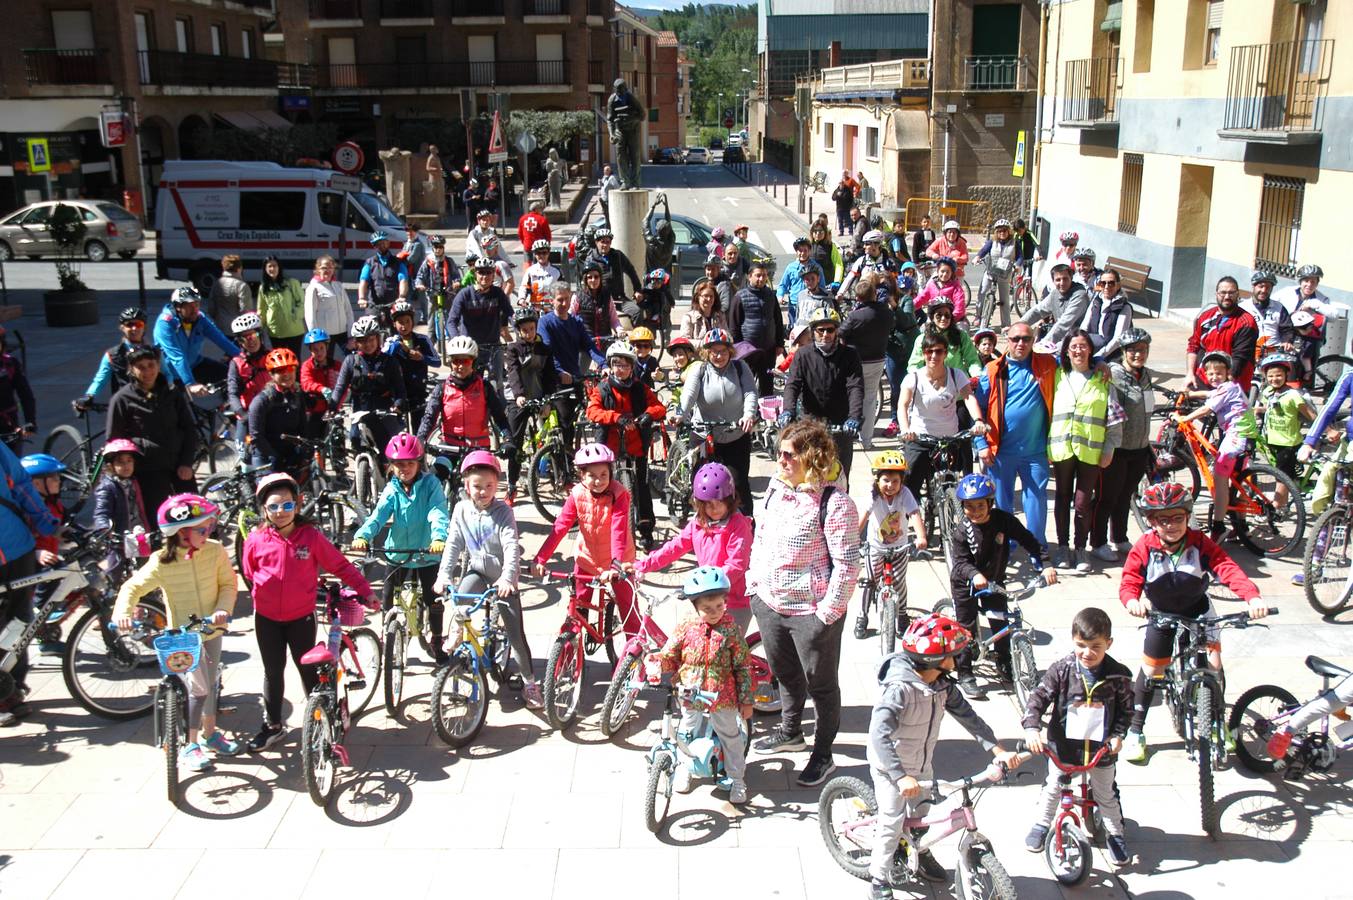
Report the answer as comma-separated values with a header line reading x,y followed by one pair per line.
x,y
609,414
1045,370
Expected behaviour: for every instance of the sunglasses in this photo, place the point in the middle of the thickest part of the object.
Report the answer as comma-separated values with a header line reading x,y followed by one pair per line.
x,y
1021,339
824,329
788,456
287,506
1108,283
1172,520
935,351
462,360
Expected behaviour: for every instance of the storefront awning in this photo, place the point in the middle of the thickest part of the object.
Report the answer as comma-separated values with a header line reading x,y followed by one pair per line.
x,y
1113,17
254,119
910,130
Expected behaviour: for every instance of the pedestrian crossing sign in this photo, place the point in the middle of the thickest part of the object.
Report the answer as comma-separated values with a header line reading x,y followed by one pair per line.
x,y
1018,170
497,146
39,156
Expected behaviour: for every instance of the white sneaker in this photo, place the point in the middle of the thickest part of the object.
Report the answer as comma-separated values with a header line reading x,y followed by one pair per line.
x,y
737,794
1082,561
682,781
1061,556
1134,747
1105,552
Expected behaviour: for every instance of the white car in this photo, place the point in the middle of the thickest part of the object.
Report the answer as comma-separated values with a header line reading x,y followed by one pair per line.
x,y
697,155
735,140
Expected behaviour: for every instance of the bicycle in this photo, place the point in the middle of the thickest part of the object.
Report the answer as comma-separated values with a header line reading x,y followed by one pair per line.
x,y
683,464
83,463
179,651
988,295
848,812
460,690
882,591
440,305
1024,674
329,710
1327,575
1023,296
1259,523
326,488
940,507
549,471
703,751
404,618
216,445
766,437
588,624
1263,709
1194,694
627,677
1067,847
234,494
368,477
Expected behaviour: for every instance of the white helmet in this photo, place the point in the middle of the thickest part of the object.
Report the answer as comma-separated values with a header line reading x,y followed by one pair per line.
x,y
246,322
622,348
366,326
541,244
462,345
951,224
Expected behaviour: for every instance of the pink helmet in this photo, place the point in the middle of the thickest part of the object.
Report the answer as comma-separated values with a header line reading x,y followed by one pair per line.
x,y
404,446
713,482
588,454
184,511
481,459
121,445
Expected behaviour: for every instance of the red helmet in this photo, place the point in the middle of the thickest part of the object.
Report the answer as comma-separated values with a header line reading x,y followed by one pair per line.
x,y
930,639
1165,495
281,358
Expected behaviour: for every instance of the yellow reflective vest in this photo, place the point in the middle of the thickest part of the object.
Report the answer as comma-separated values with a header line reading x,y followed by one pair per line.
x,y
1078,420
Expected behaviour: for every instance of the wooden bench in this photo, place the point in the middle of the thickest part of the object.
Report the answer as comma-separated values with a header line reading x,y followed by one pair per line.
x,y
1133,277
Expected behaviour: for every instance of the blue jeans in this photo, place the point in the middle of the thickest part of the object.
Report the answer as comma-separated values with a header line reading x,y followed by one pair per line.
x,y
1033,475
897,371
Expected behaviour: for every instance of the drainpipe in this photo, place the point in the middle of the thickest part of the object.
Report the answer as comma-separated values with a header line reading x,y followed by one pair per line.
x,y
948,122
1036,156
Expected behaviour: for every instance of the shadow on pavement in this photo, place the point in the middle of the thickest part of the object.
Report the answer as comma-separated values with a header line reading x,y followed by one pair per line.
x,y
224,795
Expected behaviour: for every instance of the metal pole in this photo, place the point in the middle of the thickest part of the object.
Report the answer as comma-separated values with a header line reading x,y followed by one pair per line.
x,y
945,188
141,281
502,196
4,288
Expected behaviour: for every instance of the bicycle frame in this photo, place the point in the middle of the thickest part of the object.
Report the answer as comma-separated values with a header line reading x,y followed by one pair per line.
x,y
1078,809
472,639
1242,499
71,578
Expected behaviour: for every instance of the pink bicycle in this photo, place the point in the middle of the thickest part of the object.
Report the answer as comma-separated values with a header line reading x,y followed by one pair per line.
x,y
1067,848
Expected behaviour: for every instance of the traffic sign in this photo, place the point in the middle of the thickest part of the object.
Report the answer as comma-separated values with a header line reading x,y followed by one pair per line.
x,y
350,183
348,157
497,146
39,156
527,142
728,122
1018,169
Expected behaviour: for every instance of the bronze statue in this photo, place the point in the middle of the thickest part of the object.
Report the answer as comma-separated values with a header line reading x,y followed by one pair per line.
x,y
625,117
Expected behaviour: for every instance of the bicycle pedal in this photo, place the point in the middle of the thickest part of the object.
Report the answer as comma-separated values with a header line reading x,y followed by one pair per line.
x,y
356,684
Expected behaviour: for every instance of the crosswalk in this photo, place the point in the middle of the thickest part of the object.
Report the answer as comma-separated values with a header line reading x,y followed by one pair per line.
x,y
784,236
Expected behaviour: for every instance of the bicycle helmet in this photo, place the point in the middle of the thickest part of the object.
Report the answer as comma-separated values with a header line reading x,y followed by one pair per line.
x,y
716,336
794,333
131,314
1300,319
713,482
315,336
930,639
400,308
1069,237
976,487
1278,359
1163,496
245,322
484,264
145,351
824,315
621,350
1310,271
713,260
182,511
592,266
589,454
120,445
281,358
1084,253
539,245
705,580
366,326
40,465
480,459
804,242
490,242
947,261
1220,356
641,334
718,234
437,241
873,237
951,225
657,279
269,483
186,294
603,233
1132,336
983,333
1001,223
404,446
462,345
889,461
525,314
1262,278
938,302
378,236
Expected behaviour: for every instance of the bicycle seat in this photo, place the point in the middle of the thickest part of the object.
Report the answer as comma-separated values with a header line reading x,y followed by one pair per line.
x,y
317,655
1325,667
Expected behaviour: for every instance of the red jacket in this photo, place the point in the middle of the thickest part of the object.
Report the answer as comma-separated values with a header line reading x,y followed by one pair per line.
x,y
1235,333
285,570
607,403
532,227
314,380
1179,586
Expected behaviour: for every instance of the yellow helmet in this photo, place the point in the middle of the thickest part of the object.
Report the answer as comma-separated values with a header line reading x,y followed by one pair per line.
x,y
889,461
824,314
640,334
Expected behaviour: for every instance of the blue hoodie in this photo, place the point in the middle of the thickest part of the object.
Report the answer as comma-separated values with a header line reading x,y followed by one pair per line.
x,y
182,349
417,517
22,511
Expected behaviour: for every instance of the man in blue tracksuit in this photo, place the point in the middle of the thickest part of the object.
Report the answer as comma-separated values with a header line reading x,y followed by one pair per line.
x,y
791,282
180,332
565,336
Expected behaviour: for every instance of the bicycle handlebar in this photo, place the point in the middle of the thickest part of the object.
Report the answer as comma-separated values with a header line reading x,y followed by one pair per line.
x,y
1230,620
1024,593
1075,770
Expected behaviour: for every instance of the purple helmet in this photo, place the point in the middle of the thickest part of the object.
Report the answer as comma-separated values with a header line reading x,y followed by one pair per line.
x,y
712,482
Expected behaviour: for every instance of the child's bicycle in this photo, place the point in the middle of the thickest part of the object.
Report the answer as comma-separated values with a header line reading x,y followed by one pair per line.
x,y
460,690
549,472
404,620
1068,845
692,448
766,437
1023,670
1265,708
703,751
341,693
848,812
589,623
179,651
1325,564
882,591
627,678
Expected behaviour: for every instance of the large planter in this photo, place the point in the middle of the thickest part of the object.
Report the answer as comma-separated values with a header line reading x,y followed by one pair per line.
x,y
67,309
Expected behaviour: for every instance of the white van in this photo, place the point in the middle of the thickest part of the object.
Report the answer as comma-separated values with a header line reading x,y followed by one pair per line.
x,y
206,209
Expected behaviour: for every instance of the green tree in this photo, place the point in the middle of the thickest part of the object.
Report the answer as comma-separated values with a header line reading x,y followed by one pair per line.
x,y
721,42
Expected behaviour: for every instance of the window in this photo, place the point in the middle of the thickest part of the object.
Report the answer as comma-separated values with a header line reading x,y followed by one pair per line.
x,y
871,143
73,29
217,40
653,113
784,66
828,136
1130,194
183,35
246,44
38,215
1280,225
87,215
272,210
1212,33
331,212
1141,47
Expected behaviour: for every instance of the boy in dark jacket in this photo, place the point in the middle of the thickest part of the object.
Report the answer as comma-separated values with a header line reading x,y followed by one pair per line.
x,y
1090,694
530,376
827,379
980,549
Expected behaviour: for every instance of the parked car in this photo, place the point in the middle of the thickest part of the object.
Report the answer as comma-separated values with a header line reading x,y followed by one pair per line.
x,y
734,155
734,140
697,156
668,156
109,229
692,236
716,144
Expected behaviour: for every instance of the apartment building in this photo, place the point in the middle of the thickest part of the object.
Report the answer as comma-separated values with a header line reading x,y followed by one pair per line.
x,y
1202,138
671,106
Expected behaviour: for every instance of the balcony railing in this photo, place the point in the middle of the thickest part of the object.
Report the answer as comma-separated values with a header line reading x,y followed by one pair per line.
x,y
1277,92
598,8
50,66
893,74
296,75
596,72
464,9
406,9
1090,94
545,7
335,9
164,67
997,73
434,74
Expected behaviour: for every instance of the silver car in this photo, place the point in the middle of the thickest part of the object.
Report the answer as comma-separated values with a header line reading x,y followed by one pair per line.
x,y
109,229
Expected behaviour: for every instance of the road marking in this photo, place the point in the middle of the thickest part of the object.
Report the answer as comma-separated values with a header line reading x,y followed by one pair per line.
x,y
786,239
754,238
705,217
730,201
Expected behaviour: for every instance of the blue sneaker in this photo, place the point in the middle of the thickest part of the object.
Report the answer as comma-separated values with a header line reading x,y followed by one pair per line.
x,y
1299,579
221,745
192,757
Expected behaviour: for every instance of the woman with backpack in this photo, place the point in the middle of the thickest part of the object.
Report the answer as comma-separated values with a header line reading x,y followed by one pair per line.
x,y
720,388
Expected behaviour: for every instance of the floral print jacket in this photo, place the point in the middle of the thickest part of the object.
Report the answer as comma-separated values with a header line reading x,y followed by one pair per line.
x,y
713,657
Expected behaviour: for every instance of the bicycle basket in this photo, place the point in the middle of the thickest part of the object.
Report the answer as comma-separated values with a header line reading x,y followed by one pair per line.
x,y
770,407
178,652
351,612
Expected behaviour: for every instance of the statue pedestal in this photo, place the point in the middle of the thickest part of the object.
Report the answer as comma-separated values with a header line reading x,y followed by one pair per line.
x,y
628,208
397,186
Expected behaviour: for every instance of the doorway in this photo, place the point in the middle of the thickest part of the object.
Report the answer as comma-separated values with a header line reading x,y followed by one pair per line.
x,y
1192,222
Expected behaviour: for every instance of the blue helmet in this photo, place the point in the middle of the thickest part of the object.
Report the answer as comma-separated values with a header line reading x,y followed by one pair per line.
x,y
378,236
315,336
705,580
976,487
40,465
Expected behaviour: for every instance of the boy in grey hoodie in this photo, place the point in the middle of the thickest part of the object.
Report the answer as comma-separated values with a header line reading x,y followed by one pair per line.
x,y
903,731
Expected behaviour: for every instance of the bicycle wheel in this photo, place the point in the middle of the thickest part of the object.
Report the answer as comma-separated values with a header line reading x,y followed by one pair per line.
x,y
1025,669
367,482
1261,524
846,809
1023,299
1252,724
1068,852
339,518
549,479
563,680
396,646
1186,474
362,662
317,748
1328,370
981,876
171,718
949,515
887,608
1204,717
625,476
621,694
1325,564
222,455
658,793
65,443
112,675
460,702
766,690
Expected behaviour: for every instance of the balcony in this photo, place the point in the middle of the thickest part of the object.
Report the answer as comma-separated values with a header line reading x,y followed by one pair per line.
x,y
599,9
1276,93
545,10
596,72
164,68
486,12
406,12
997,73
421,76
1090,94
890,80
66,68
335,13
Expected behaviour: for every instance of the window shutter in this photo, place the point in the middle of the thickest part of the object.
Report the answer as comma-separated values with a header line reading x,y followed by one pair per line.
x,y
1214,12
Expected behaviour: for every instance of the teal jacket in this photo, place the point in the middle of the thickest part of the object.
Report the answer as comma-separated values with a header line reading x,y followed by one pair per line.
x,y
417,517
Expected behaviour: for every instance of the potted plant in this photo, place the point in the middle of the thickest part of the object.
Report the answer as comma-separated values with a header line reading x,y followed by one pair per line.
x,y
74,303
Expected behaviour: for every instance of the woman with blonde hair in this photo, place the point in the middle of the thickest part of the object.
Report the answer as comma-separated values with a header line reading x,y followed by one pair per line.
x,y
327,306
705,315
